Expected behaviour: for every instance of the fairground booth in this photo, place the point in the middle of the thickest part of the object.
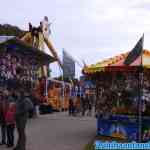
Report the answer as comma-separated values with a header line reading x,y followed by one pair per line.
x,y
123,95
20,64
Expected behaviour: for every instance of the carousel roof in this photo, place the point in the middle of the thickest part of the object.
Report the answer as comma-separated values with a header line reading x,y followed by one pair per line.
x,y
15,45
118,61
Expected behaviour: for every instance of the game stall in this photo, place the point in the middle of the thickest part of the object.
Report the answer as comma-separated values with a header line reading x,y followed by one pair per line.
x,y
19,64
122,96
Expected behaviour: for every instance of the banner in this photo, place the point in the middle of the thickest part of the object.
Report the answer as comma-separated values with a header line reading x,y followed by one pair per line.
x,y
68,66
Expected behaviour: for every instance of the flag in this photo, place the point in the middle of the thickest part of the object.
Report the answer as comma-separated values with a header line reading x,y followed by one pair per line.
x,y
68,66
135,52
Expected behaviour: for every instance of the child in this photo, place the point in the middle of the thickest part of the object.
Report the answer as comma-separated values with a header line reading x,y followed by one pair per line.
x,y
10,123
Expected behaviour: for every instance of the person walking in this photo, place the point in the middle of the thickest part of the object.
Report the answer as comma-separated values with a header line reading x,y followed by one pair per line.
x,y
3,108
21,120
89,108
10,123
83,105
71,107
77,105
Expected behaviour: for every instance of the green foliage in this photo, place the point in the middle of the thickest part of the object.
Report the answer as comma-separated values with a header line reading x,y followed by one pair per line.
x,y
9,30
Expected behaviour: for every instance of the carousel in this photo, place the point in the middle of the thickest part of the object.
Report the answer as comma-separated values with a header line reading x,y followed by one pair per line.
x,y
123,95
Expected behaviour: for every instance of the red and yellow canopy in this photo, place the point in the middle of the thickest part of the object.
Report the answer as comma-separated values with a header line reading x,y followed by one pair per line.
x,y
118,62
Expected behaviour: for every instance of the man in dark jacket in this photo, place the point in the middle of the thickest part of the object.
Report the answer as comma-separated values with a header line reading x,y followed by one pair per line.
x,y
21,120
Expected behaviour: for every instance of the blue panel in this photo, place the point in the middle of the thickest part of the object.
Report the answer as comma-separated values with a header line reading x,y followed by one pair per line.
x,y
124,129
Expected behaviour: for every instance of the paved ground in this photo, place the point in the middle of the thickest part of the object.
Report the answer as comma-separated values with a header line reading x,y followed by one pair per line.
x,y
58,131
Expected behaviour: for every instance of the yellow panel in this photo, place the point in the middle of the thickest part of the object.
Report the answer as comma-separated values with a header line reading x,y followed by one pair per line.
x,y
146,60
100,65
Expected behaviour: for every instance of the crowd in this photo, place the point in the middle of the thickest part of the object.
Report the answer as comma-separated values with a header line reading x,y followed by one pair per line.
x,y
81,106
15,67
16,106
82,102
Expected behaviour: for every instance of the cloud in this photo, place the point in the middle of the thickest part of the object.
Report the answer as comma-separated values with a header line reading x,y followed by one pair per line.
x,y
87,29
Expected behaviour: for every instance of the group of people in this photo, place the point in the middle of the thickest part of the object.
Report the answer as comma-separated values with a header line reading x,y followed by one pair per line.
x,y
81,105
15,107
15,66
16,69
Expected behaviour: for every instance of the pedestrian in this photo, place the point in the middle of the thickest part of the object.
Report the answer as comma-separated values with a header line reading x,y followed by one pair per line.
x,y
3,108
77,105
83,105
21,120
71,107
10,123
89,108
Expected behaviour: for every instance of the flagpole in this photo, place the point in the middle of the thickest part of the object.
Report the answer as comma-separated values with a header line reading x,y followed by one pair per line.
x,y
140,85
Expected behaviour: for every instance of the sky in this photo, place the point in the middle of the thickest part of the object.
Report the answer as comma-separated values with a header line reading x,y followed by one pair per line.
x,y
89,30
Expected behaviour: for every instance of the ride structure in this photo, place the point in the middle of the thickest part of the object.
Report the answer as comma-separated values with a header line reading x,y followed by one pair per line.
x,y
37,36
49,94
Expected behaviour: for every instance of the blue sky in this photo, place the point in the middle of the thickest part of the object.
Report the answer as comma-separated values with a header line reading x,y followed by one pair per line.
x,y
88,29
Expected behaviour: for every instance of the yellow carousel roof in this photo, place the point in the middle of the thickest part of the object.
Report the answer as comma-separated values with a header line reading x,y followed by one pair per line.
x,y
117,60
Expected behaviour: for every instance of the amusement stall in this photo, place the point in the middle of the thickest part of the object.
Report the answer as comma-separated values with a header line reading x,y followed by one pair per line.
x,y
122,96
19,64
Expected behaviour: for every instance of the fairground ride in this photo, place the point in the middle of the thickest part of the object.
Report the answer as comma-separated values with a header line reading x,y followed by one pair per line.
x,y
37,37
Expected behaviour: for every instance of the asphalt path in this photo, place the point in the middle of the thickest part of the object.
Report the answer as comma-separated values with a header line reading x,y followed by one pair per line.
x,y
58,131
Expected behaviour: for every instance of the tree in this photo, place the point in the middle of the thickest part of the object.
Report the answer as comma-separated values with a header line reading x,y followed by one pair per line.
x,y
10,30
